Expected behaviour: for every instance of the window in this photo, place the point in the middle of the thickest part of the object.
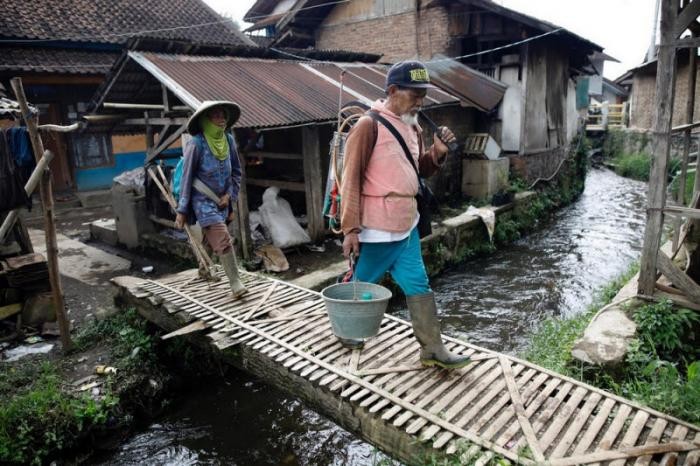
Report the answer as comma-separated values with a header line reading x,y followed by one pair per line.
x,y
92,150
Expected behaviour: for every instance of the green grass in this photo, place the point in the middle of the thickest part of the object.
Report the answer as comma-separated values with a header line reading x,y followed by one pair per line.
x,y
37,417
661,369
636,166
551,344
40,413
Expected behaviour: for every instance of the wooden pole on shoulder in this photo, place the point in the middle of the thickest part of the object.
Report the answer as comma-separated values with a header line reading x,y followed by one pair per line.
x,y
661,147
49,219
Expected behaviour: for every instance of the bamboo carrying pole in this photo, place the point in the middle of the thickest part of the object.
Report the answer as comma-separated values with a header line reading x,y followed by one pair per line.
x,y
203,258
49,220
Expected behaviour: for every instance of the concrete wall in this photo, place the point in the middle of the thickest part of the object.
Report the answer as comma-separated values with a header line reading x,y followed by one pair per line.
x,y
365,25
537,165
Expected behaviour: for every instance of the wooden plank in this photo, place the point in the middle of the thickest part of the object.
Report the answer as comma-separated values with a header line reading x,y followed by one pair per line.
x,y
390,370
288,185
679,300
572,432
274,155
694,456
678,277
670,459
462,386
623,453
653,438
10,310
682,211
314,181
685,18
520,411
262,301
481,402
614,428
195,326
661,146
633,432
562,418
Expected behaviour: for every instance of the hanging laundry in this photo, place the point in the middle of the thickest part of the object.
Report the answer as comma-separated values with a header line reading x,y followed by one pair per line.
x,y
21,148
12,194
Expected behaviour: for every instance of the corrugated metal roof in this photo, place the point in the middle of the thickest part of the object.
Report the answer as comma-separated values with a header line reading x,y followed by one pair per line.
x,y
272,92
469,85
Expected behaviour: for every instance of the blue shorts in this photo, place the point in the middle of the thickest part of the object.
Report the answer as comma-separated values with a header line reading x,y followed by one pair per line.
x,y
402,259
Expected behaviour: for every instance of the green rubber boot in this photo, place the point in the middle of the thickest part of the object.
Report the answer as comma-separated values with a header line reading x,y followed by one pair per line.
x,y
426,328
228,260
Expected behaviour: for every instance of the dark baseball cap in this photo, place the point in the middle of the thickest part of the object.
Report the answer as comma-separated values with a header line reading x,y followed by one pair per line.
x,y
409,73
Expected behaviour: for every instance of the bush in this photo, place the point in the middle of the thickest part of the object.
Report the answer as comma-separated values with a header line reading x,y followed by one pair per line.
x,y
636,166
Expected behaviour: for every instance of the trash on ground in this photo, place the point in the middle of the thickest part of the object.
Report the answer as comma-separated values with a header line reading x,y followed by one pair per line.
x,y
105,370
147,269
316,248
277,216
273,258
89,386
33,339
488,216
21,351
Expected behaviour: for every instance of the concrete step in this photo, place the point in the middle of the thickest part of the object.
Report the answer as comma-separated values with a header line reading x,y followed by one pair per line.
x,y
104,230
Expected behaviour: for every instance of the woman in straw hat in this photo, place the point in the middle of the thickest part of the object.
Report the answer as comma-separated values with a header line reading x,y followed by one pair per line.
x,y
211,178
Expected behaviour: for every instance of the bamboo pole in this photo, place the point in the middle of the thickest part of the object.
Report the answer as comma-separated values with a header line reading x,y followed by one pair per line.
x,y
49,219
689,110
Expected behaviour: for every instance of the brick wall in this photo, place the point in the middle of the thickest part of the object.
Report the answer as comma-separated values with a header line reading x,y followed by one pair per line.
x,y
395,37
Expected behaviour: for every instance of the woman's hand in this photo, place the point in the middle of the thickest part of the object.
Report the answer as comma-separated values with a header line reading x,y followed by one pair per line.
x,y
224,200
180,220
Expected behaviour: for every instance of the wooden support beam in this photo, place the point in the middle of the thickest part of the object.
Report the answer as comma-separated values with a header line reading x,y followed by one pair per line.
x,y
679,279
242,217
661,146
288,185
313,181
165,144
687,16
683,212
158,121
686,127
274,155
49,219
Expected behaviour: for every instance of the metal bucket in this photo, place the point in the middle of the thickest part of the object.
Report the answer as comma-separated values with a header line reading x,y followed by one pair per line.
x,y
355,318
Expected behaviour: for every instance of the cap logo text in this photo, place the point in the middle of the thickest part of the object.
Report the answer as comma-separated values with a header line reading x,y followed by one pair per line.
x,y
419,74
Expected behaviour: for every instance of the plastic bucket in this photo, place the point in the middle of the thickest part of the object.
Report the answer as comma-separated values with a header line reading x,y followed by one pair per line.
x,y
355,318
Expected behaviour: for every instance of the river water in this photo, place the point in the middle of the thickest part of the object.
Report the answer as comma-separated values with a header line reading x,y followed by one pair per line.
x,y
494,301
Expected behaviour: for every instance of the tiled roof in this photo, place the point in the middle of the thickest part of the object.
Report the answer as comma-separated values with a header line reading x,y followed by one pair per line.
x,y
55,60
112,21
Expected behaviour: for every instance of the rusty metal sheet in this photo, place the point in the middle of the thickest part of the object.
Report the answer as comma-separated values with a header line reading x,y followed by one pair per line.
x,y
273,93
473,88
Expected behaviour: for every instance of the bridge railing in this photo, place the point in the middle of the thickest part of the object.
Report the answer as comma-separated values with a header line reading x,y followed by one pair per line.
x,y
602,117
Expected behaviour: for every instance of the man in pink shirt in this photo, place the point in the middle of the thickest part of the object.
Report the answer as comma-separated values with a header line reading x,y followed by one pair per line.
x,y
379,215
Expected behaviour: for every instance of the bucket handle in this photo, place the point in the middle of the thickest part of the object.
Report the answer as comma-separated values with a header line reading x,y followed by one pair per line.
x,y
353,263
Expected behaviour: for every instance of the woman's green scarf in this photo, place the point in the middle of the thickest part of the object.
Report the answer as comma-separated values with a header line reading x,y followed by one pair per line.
x,y
215,136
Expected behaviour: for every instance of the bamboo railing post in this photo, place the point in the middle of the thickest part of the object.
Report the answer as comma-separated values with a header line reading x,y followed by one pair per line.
x,y
49,219
689,114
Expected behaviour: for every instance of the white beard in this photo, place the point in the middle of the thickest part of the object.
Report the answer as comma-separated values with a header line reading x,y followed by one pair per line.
x,y
411,119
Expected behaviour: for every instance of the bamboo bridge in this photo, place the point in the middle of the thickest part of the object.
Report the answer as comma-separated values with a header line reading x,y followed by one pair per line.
x,y
498,406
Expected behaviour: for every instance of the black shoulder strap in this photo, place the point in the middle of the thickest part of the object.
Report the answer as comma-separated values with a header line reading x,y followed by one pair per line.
x,y
377,117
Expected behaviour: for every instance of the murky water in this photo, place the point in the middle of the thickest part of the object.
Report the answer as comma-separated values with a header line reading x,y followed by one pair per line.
x,y
493,302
